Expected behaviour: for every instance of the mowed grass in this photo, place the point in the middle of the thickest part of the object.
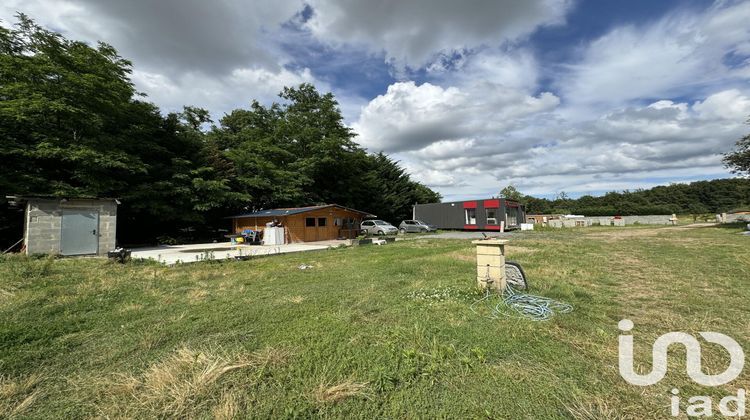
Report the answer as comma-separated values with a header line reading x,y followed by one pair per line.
x,y
368,331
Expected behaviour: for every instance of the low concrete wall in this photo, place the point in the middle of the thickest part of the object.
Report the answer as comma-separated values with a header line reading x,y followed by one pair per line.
x,y
732,218
611,221
648,220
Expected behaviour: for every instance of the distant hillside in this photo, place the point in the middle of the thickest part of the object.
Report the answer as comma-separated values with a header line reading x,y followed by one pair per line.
x,y
719,195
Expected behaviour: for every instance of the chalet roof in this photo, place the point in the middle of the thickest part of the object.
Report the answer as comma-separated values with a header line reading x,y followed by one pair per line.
x,y
292,210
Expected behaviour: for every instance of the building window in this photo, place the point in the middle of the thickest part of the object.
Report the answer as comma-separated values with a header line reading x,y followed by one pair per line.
x,y
471,216
321,221
309,222
337,221
491,216
511,216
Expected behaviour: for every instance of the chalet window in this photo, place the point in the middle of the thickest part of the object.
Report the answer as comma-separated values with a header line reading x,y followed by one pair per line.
x,y
321,221
491,216
309,221
337,221
471,216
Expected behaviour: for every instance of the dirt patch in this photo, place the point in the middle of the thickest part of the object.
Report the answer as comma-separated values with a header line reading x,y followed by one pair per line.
x,y
131,307
295,299
643,286
625,233
463,255
516,250
197,295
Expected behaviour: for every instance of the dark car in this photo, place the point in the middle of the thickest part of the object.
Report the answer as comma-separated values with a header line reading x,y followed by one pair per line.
x,y
415,226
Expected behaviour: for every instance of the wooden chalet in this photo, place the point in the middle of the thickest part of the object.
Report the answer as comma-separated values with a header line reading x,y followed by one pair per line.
x,y
305,224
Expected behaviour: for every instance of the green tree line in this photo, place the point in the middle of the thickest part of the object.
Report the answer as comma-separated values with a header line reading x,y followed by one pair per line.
x,y
715,196
72,124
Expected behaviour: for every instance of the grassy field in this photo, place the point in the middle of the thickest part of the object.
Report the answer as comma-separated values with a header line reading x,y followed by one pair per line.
x,y
368,331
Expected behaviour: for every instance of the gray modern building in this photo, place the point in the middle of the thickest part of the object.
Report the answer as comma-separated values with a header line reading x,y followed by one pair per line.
x,y
487,214
68,226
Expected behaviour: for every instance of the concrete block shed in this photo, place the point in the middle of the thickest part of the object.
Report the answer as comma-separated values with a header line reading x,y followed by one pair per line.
x,y
68,226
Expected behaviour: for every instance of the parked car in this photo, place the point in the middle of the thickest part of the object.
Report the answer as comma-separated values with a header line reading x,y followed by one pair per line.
x,y
415,226
378,227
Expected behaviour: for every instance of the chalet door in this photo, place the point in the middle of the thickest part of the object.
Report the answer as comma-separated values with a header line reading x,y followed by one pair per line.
x,y
311,229
322,229
317,229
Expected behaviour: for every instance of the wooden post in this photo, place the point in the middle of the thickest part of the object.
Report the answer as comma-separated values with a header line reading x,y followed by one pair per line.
x,y
491,264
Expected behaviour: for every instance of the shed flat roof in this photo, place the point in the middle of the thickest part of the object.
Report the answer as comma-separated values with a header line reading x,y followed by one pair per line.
x,y
21,198
292,210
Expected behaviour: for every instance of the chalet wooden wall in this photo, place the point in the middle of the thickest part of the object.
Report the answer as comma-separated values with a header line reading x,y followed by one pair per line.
x,y
297,229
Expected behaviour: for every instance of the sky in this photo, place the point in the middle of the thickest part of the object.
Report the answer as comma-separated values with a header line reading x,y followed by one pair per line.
x,y
546,95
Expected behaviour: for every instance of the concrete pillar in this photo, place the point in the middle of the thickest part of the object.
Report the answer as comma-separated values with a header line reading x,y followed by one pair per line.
x,y
491,264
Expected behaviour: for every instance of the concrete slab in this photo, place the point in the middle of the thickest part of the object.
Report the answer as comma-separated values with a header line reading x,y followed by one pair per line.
x,y
172,254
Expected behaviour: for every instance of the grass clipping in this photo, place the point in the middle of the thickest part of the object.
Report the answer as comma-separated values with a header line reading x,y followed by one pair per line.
x,y
184,384
18,394
327,393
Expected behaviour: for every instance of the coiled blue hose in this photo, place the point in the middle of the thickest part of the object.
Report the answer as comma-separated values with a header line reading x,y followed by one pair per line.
x,y
515,304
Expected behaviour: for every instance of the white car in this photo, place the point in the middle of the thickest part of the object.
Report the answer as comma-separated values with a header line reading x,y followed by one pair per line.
x,y
378,227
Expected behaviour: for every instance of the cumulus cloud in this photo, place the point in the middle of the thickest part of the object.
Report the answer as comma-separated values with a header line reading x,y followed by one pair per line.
x,y
217,55
727,105
639,105
682,53
628,145
170,35
482,120
412,33
634,143
410,117
219,94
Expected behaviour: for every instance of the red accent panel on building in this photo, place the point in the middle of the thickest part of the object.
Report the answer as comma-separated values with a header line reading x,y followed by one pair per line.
x,y
492,227
492,204
471,227
470,204
509,204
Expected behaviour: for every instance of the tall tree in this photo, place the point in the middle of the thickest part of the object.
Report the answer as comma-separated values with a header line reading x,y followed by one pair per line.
x,y
511,193
739,159
72,124
300,152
